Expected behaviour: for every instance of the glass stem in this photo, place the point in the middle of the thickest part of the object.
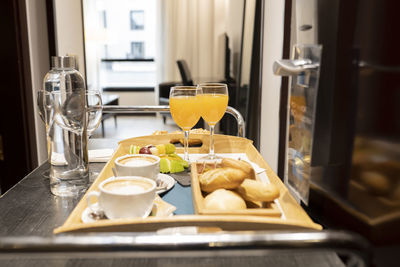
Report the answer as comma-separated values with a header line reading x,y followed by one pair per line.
x,y
83,157
48,139
81,160
186,146
212,153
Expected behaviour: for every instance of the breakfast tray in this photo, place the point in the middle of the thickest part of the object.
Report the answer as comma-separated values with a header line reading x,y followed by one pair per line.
x,y
292,215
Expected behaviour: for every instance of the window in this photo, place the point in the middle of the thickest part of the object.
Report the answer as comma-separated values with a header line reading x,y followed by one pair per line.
x,y
137,50
137,20
124,44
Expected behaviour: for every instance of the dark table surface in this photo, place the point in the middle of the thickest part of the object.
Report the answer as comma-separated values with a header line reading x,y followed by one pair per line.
x,y
30,210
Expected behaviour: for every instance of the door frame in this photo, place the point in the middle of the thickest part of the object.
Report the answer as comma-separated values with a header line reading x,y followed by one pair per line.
x,y
17,119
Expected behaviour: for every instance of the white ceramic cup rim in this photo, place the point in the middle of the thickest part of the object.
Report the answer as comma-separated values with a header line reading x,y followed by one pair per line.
x,y
137,156
129,178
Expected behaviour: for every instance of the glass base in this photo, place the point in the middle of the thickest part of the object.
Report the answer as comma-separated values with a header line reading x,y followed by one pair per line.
x,y
70,183
46,173
93,175
68,188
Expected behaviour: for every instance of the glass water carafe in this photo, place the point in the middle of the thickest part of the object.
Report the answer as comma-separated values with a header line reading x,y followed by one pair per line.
x,y
68,149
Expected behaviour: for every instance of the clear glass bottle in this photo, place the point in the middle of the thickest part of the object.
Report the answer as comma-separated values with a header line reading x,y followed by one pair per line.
x,y
68,153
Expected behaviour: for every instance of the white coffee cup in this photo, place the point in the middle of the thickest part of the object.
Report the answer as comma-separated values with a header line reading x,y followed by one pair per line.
x,y
125,197
138,165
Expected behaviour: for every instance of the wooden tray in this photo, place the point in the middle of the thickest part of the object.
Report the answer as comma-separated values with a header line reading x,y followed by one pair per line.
x,y
271,209
293,216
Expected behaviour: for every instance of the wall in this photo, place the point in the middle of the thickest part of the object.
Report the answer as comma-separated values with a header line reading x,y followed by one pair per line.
x,y
39,63
234,29
248,37
69,30
134,98
271,84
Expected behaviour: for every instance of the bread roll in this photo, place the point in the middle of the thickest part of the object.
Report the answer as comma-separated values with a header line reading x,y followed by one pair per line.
x,y
223,199
252,190
241,165
228,178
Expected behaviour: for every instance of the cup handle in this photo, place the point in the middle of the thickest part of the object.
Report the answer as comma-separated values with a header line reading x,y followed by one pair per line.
x,y
90,196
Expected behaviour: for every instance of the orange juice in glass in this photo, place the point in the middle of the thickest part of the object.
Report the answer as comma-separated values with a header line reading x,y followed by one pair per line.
x,y
185,110
213,107
213,102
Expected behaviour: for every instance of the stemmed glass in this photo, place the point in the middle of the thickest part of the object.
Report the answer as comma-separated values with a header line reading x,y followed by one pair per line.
x,y
94,113
69,110
46,111
185,110
94,110
77,111
213,101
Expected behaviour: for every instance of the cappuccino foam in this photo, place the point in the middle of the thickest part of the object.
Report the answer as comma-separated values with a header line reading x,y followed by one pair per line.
x,y
137,161
127,187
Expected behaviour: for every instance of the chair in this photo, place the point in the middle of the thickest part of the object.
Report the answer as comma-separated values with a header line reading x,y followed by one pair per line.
x,y
185,72
164,88
163,91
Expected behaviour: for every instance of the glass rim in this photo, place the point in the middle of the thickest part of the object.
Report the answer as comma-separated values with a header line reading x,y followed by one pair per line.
x,y
87,92
184,87
212,84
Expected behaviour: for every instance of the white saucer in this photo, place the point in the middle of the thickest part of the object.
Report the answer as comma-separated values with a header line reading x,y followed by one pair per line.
x,y
86,218
166,179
